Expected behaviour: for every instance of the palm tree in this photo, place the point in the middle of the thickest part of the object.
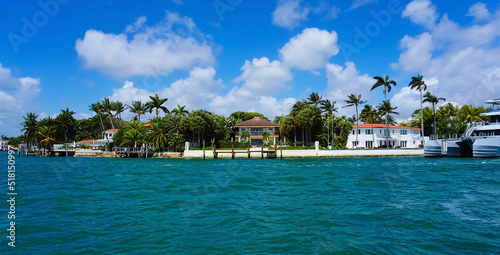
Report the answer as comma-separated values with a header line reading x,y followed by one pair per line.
x,y
296,108
157,134
138,108
470,114
433,100
132,137
46,133
180,111
157,104
329,108
387,88
245,135
369,114
64,121
98,109
107,106
118,108
314,98
383,82
386,108
355,101
418,83
30,126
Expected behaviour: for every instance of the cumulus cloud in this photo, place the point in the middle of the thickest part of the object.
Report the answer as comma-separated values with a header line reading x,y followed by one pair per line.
x,y
18,96
462,60
310,49
289,13
196,91
343,81
261,80
479,12
421,12
173,44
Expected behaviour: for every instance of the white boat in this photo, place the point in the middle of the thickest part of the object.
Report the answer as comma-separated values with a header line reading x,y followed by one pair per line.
x,y
480,140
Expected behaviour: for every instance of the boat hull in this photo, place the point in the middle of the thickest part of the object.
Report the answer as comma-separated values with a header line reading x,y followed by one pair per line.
x,y
433,149
487,147
458,148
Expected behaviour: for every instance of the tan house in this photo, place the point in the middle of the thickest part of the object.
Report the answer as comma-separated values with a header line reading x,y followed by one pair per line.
x,y
4,145
256,128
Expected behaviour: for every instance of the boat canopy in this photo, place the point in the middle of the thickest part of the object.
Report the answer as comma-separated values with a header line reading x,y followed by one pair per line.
x,y
493,101
491,113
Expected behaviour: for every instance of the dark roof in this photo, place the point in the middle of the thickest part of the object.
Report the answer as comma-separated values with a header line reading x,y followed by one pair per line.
x,y
257,122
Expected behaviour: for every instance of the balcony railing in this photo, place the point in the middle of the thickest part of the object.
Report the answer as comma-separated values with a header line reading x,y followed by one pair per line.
x,y
257,133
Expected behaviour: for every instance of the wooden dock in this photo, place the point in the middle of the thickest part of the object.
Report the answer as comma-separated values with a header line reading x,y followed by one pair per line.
x,y
269,153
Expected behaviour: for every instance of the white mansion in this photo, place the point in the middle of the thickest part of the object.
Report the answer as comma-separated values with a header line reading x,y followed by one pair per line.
x,y
403,137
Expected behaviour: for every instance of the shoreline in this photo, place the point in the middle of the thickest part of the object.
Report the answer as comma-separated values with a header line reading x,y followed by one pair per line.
x,y
286,153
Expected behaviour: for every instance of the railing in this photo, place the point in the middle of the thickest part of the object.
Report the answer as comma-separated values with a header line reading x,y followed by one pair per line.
x,y
257,133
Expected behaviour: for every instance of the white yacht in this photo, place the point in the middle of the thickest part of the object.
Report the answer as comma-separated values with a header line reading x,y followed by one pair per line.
x,y
481,140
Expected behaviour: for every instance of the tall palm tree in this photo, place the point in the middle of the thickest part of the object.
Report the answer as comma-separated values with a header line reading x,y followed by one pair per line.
x,y
386,108
314,98
369,114
99,110
433,100
328,107
30,126
138,108
118,108
64,121
387,83
157,135
354,100
157,104
383,82
47,135
418,83
469,114
180,111
107,106
296,108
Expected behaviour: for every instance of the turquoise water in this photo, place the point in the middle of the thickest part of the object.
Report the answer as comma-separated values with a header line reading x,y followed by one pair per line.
x,y
391,205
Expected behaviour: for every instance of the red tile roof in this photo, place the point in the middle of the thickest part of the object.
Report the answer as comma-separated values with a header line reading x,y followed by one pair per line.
x,y
88,141
257,122
112,130
368,125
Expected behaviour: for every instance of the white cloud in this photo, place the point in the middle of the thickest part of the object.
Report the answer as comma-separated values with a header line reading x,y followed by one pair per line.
x,y
178,2
262,76
18,96
173,44
358,3
289,13
417,52
462,61
261,80
421,12
479,12
310,49
407,100
344,81
196,91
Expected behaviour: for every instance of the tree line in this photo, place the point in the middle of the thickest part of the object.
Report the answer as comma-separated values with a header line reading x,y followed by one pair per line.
x,y
311,119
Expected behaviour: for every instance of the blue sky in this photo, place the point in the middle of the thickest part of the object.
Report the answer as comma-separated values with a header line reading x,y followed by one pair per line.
x,y
229,55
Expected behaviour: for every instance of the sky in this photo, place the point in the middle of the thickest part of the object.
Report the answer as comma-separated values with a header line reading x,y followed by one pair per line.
x,y
240,55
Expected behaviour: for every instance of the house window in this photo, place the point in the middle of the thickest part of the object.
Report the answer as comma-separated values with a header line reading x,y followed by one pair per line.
x,y
355,144
403,144
403,132
368,131
392,131
416,132
243,129
381,131
369,144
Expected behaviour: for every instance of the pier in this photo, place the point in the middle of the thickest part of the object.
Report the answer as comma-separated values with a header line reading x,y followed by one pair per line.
x,y
233,152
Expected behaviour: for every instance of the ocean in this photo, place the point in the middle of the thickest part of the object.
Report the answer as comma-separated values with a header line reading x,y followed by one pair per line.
x,y
378,205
